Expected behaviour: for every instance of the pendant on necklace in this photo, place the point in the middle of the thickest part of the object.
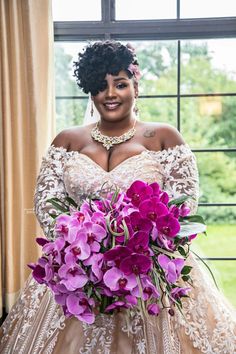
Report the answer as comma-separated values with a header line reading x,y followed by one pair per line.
x,y
109,141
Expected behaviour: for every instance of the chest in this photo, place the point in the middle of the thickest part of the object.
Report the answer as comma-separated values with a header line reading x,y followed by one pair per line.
x,y
83,176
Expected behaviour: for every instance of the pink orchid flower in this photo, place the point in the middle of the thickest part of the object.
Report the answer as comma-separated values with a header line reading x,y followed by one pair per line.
x,y
116,280
172,267
73,277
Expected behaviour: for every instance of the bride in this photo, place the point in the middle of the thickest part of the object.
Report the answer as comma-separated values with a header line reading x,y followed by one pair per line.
x,y
117,149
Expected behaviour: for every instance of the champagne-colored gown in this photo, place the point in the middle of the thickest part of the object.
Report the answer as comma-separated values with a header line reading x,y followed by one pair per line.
x,y
36,323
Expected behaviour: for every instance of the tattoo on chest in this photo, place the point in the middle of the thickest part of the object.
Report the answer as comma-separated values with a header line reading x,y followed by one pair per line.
x,y
149,133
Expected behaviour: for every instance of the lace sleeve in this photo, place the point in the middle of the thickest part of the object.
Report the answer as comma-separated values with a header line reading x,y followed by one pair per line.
x,y
181,174
49,184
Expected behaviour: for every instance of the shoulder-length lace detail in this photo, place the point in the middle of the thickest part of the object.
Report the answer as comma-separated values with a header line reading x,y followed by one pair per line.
x,y
180,173
49,184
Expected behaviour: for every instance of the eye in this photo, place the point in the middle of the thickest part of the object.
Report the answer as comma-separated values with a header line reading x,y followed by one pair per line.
x,y
121,85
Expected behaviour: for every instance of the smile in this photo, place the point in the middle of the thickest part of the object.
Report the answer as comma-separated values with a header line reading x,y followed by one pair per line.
x,y
111,105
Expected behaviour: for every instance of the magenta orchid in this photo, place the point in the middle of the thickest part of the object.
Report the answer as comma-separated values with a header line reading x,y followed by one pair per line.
x,y
152,209
135,264
153,309
139,243
168,225
138,192
139,223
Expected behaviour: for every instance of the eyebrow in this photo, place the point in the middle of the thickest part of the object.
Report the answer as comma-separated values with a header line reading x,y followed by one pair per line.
x,y
120,78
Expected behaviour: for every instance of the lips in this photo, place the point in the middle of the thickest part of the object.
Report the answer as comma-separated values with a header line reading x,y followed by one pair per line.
x,y
111,105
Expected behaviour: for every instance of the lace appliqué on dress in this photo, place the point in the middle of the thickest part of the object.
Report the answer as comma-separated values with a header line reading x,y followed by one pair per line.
x,y
208,320
35,315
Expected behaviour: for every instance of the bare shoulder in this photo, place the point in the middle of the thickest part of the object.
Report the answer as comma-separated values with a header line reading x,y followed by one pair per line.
x,y
70,136
161,136
170,136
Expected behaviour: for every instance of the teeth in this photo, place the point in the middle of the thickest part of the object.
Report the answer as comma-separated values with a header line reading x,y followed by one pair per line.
x,y
111,105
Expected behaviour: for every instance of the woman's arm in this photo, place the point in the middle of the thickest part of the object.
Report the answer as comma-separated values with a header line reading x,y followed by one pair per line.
x,y
50,183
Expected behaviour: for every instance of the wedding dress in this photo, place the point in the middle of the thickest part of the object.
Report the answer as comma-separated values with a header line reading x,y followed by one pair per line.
x,y
36,323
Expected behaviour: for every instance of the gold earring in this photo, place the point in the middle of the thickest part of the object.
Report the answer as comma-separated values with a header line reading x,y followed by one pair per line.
x,y
136,109
91,110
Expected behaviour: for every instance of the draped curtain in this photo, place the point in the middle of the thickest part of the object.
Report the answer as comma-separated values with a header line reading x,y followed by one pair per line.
x,y
27,125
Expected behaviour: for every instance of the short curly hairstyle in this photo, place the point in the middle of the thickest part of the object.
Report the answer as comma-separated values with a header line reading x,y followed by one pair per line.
x,y
99,59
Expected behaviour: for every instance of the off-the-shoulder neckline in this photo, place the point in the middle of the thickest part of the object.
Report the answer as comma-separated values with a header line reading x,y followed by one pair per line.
x,y
163,151
136,156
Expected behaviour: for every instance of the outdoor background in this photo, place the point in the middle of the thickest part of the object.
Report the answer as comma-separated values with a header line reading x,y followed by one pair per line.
x,y
208,66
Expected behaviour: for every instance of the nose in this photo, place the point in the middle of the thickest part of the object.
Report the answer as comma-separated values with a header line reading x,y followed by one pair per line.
x,y
110,91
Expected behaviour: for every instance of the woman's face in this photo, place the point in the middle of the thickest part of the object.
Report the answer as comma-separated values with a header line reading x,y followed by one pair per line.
x,y
116,101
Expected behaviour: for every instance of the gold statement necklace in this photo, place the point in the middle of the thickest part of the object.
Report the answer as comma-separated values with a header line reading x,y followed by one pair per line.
x,y
109,141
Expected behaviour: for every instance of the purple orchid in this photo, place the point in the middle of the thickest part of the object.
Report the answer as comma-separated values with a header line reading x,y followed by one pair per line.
x,y
43,270
171,267
184,210
177,293
116,306
73,276
164,198
55,249
153,309
192,237
165,242
62,225
152,208
117,254
168,225
116,280
99,219
78,250
96,261
174,210
94,233
130,301
138,223
156,191
139,243
148,289
138,192
81,307
135,264
42,241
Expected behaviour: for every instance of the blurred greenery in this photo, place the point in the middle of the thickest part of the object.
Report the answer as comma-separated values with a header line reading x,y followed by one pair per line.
x,y
220,241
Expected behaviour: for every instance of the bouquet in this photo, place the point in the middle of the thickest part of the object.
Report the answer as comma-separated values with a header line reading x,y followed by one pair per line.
x,y
124,250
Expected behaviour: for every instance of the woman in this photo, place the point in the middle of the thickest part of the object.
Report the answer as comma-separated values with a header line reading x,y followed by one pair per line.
x,y
118,149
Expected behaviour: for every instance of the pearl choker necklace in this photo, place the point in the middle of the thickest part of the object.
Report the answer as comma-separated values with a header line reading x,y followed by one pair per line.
x,y
109,141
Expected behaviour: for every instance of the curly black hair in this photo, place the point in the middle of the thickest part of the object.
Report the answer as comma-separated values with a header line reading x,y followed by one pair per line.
x,y
99,59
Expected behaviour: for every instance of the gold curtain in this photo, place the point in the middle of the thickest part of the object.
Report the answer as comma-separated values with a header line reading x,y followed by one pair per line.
x,y
27,125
